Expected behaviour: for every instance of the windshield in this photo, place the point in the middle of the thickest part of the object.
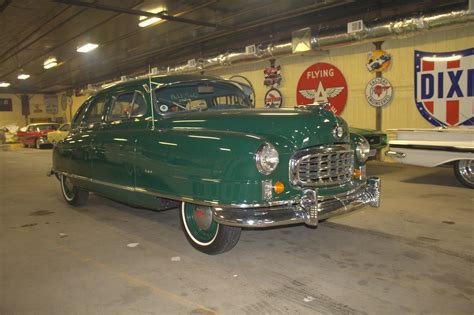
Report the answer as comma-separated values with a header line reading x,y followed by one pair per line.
x,y
46,127
200,96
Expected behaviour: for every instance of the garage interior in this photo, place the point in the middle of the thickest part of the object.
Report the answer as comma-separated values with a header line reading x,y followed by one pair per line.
x,y
413,254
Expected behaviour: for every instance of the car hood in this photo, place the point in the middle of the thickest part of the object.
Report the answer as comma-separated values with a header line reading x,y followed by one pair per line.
x,y
300,127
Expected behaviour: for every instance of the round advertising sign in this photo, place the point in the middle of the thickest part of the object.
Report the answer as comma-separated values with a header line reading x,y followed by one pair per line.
x,y
273,98
379,92
322,83
378,61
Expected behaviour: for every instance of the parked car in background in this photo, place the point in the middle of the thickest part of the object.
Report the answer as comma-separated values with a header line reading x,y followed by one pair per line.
x,y
3,138
58,135
8,131
36,135
435,147
195,141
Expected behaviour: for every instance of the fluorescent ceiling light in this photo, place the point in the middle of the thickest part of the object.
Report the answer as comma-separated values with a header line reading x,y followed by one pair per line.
x,y
151,20
4,84
49,63
87,47
148,21
23,76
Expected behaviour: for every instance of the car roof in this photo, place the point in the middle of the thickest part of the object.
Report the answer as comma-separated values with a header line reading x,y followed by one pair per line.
x,y
162,79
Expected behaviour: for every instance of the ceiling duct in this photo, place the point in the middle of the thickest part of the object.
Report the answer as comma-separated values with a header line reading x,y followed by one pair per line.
x,y
396,29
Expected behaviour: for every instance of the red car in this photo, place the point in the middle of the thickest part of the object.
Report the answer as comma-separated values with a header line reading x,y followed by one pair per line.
x,y
35,135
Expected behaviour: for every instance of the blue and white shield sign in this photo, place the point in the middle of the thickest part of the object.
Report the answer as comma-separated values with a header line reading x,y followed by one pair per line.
x,y
444,87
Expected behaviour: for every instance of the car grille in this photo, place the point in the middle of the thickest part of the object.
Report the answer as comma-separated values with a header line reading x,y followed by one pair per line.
x,y
322,166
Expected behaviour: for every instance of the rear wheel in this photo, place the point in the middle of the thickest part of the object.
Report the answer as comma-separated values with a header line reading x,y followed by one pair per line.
x,y
205,234
73,195
464,171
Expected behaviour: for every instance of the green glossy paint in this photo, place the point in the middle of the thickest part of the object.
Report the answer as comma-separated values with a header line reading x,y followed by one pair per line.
x,y
202,156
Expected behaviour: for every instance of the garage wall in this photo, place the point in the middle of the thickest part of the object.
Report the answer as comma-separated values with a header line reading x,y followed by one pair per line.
x,y
351,61
37,110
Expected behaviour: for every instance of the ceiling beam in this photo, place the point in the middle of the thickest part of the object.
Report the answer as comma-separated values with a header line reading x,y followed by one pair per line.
x,y
161,15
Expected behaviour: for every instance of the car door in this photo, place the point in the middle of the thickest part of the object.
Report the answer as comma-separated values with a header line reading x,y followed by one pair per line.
x,y
80,140
114,143
31,135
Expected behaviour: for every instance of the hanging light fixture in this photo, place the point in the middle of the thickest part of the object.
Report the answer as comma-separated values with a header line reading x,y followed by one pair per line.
x,y
145,21
51,62
23,76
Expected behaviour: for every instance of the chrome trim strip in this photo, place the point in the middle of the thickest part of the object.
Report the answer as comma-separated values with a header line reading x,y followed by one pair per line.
x,y
179,198
395,154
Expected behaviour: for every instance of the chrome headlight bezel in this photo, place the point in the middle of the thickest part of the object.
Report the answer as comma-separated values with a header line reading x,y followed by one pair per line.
x,y
266,158
338,132
362,149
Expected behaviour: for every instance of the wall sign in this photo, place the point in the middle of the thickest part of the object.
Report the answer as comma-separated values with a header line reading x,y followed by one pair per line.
x,y
37,109
273,99
322,83
272,75
378,61
51,103
444,87
6,105
379,92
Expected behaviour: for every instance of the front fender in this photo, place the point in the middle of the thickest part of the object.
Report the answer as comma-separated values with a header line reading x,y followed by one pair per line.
x,y
204,165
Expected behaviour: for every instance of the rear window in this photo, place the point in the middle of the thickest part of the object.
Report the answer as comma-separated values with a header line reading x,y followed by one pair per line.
x,y
200,96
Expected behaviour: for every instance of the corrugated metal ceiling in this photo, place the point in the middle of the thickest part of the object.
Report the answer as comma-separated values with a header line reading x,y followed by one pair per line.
x,y
32,30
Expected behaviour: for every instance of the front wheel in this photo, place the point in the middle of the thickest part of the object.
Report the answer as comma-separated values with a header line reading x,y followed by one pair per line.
x,y
464,171
205,234
37,144
73,195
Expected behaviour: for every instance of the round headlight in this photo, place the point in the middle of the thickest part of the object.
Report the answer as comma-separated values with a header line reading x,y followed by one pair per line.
x,y
266,158
338,132
362,150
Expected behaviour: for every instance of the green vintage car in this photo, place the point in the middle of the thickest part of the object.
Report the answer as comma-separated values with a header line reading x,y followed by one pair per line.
x,y
193,141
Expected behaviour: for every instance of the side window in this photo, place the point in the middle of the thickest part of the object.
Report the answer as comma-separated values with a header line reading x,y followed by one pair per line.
x,y
76,121
139,106
95,112
127,105
121,107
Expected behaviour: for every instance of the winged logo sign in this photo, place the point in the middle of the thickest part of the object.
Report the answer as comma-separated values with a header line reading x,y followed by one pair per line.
x,y
322,83
444,87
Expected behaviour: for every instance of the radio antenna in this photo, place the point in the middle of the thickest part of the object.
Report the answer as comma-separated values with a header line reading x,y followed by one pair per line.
x,y
151,99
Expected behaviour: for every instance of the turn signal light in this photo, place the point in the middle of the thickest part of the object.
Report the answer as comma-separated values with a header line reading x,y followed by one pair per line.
x,y
357,173
279,187
360,173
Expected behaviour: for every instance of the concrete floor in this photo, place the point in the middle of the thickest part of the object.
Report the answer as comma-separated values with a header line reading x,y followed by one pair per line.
x,y
412,255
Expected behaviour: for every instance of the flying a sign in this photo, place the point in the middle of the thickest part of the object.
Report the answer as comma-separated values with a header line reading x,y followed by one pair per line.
x,y
322,83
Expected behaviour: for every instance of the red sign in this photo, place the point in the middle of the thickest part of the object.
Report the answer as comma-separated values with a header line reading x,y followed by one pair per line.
x,y
322,83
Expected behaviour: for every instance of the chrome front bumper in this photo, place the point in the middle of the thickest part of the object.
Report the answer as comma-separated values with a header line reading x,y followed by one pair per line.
x,y
309,209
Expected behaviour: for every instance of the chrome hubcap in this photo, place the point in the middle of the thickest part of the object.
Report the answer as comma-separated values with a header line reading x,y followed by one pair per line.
x,y
466,169
203,217
68,184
